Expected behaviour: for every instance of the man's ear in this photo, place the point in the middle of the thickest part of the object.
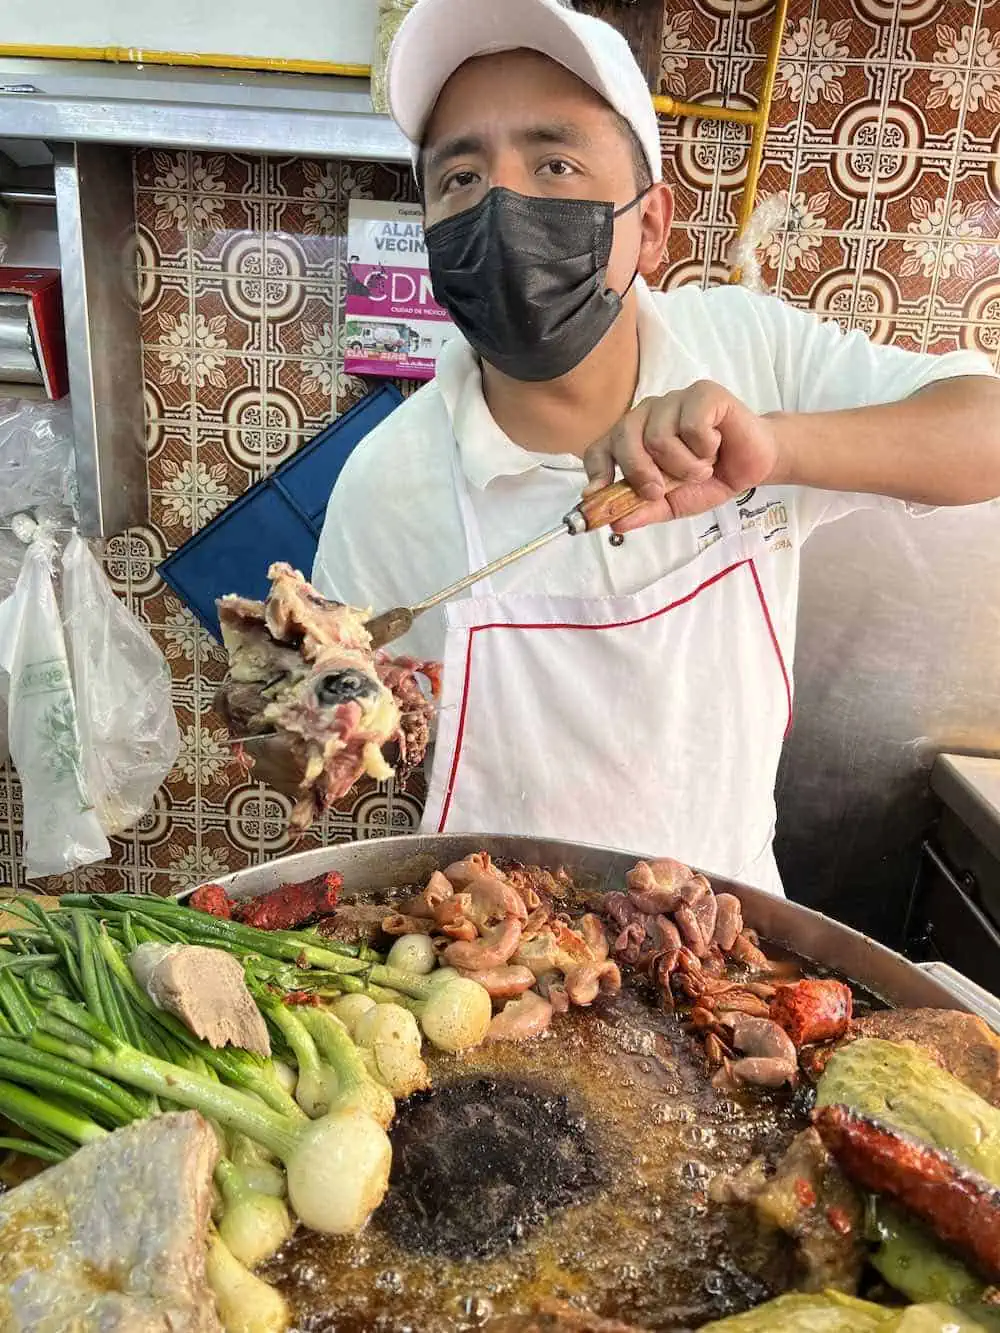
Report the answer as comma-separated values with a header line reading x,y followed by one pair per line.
x,y
657,215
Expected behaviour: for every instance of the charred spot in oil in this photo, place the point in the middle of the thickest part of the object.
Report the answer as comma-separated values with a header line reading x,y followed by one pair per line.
x,y
480,1163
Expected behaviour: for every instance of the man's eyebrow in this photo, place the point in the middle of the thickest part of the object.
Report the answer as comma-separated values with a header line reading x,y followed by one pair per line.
x,y
569,136
461,145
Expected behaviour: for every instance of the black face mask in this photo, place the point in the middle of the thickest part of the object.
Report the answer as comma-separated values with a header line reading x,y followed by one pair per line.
x,y
523,279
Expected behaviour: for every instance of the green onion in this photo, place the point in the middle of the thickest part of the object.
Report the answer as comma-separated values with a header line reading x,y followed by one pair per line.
x,y
28,1148
337,1166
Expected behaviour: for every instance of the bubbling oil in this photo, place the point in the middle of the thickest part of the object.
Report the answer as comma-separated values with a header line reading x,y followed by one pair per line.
x,y
641,1243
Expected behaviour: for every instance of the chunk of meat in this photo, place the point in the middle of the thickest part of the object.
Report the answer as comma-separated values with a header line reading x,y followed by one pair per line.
x,y
397,923
729,921
206,990
584,983
291,905
212,899
497,945
521,1019
399,676
535,884
768,1058
745,950
655,886
437,890
960,1043
809,1199
113,1239
812,1010
304,667
354,923
505,982
958,1205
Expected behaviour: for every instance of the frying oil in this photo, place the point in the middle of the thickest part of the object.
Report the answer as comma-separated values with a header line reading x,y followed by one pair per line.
x,y
643,1245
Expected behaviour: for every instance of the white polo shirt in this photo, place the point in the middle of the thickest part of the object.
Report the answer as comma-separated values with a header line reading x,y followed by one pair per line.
x,y
393,532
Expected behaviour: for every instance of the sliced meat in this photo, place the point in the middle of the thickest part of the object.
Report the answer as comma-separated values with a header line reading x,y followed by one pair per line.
x,y
958,1205
113,1239
206,990
521,1019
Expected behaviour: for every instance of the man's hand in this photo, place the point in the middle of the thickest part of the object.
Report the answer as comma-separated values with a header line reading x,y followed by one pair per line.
x,y
700,441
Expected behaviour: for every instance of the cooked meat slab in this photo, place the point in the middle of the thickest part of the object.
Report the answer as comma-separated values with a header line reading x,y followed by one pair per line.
x,y
304,667
113,1239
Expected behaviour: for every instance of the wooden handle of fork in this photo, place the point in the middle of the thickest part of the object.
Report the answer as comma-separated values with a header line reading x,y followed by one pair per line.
x,y
610,505
613,503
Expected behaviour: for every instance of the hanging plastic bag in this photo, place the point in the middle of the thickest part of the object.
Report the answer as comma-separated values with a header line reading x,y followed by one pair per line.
x,y
61,828
122,682
37,459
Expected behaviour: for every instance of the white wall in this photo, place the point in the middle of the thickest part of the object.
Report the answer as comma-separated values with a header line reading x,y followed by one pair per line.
x,y
336,31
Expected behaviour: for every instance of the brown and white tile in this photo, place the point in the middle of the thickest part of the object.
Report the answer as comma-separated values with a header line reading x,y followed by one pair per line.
x,y
925,108
899,270
969,280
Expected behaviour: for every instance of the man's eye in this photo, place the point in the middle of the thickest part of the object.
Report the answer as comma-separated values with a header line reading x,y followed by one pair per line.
x,y
460,180
558,167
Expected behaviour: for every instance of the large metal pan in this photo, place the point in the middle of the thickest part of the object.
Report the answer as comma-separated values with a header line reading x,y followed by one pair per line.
x,y
381,863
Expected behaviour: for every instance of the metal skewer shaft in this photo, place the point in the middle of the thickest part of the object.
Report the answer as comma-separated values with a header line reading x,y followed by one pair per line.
x,y
489,569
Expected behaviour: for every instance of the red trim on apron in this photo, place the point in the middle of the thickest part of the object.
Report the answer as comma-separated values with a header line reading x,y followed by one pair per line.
x,y
777,646
619,624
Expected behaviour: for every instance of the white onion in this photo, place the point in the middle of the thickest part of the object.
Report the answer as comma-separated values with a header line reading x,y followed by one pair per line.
x,y
255,1227
338,1172
285,1075
413,953
349,1008
392,1035
245,1303
457,1015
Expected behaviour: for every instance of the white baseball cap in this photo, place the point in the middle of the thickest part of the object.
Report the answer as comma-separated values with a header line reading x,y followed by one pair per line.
x,y
437,36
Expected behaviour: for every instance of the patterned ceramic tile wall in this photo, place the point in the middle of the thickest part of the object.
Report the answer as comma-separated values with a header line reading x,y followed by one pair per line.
x,y
886,133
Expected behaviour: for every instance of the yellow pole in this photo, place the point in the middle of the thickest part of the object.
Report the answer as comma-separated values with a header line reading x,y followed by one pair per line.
x,y
763,116
669,106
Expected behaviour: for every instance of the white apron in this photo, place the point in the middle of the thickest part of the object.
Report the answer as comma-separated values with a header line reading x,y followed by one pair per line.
x,y
651,723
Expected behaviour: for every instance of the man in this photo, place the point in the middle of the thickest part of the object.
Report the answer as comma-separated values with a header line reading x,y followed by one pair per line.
x,y
630,693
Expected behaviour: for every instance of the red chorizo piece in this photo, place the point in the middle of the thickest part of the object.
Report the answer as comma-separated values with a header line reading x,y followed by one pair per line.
x,y
291,905
213,899
813,1010
960,1206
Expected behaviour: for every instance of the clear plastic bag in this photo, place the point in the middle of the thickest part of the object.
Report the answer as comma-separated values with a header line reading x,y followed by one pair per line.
x,y
37,462
61,828
127,725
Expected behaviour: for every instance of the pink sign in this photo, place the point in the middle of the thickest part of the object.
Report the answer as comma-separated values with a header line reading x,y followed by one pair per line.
x,y
392,324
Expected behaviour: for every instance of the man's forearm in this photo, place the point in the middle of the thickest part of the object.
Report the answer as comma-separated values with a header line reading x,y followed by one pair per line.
x,y
941,446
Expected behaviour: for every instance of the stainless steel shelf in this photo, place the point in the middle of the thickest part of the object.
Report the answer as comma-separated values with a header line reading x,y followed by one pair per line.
x,y
160,106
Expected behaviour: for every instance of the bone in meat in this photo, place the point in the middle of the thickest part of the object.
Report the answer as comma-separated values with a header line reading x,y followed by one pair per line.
x,y
304,667
113,1239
